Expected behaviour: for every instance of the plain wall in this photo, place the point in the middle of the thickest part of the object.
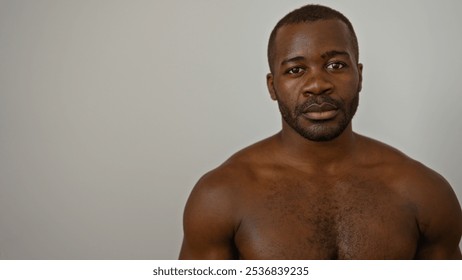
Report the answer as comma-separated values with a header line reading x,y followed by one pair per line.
x,y
110,111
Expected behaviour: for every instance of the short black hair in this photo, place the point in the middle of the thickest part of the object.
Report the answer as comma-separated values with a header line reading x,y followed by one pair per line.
x,y
310,13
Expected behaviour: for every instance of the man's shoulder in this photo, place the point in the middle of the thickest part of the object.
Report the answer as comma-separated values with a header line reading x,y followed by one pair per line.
x,y
430,194
424,187
392,161
244,166
222,189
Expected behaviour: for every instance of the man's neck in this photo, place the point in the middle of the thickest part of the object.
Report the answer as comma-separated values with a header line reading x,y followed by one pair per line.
x,y
326,155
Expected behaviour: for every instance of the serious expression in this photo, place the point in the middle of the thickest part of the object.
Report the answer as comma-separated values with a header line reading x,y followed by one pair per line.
x,y
315,78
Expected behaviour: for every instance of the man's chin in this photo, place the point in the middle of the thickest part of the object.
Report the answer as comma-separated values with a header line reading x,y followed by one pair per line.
x,y
320,137
321,132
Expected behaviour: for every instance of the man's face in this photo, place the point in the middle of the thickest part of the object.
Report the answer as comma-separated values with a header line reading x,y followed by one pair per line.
x,y
316,79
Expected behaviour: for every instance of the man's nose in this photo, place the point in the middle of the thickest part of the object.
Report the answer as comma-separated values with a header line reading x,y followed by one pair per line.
x,y
317,83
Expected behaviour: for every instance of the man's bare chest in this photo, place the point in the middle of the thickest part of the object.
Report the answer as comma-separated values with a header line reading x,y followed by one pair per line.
x,y
326,219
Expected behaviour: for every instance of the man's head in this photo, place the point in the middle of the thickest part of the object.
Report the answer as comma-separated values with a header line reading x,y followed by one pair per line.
x,y
310,13
315,76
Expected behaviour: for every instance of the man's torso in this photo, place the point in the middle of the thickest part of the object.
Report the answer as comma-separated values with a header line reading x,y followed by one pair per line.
x,y
287,213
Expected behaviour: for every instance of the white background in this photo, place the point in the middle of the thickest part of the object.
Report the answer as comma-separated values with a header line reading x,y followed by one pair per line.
x,y
110,111
239,269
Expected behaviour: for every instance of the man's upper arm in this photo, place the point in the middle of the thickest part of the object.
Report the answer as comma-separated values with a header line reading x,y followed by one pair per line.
x,y
439,219
209,222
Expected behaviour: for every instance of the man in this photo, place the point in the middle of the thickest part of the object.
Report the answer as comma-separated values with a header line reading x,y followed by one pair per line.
x,y
317,190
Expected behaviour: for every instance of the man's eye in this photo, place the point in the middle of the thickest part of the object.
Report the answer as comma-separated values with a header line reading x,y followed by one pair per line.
x,y
295,70
335,65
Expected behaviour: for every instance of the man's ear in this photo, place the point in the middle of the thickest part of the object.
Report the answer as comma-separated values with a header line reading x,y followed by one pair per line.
x,y
360,72
270,85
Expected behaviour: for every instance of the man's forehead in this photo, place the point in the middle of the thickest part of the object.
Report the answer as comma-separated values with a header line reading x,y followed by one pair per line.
x,y
329,33
319,28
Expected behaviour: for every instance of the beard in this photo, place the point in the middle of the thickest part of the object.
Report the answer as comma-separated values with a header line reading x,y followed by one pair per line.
x,y
322,130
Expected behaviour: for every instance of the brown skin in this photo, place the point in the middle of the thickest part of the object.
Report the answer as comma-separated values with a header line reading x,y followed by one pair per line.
x,y
350,197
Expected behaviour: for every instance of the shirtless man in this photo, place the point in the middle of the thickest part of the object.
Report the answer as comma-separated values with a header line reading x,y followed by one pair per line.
x,y
317,190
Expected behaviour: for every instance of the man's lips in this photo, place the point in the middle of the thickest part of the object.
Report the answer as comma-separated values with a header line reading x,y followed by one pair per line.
x,y
323,107
323,111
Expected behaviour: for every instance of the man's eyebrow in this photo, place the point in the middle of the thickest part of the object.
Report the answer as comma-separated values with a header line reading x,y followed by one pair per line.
x,y
330,54
326,55
292,59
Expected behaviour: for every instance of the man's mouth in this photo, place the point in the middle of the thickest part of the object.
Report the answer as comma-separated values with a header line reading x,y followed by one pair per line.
x,y
319,112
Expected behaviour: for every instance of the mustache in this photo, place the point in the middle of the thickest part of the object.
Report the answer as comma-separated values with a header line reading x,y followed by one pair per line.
x,y
317,100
